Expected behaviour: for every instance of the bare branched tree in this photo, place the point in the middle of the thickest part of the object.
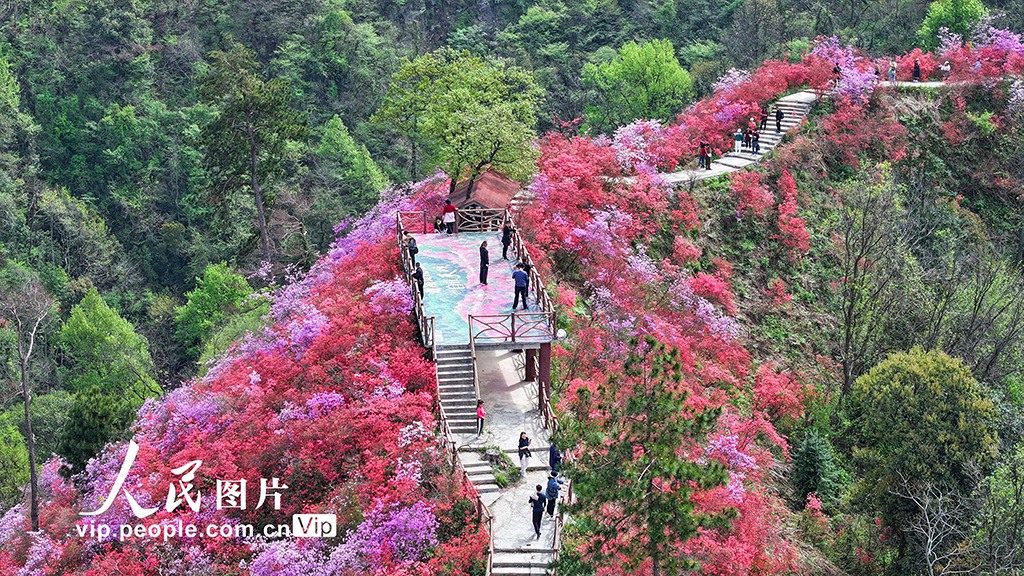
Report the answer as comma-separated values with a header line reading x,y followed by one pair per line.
x,y
941,526
24,303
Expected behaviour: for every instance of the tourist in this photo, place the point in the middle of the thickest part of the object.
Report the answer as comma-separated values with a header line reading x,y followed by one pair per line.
x,y
554,485
917,70
554,457
449,216
755,142
764,118
485,262
418,277
892,71
524,452
522,283
506,237
410,243
779,115
739,139
945,67
439,225
480,415
538,500
702,156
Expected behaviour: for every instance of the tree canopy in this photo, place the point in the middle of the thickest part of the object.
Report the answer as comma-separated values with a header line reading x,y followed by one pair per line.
x,y
633,484
470,113
245,141
106,352
919,417
956,16
644,81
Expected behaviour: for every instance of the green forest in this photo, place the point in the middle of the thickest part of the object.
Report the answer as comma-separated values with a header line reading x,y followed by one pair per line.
x,y
165,168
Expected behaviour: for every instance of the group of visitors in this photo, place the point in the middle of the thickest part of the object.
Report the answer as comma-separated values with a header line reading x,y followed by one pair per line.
x,y
945,68
542,498
446,223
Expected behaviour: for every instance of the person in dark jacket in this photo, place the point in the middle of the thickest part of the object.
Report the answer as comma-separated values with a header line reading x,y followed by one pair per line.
x,y
485,262
506,238
439,225
554,457
410,242
522,283
779,115
524,452
917,70
538,500
764,118
418,277
554,485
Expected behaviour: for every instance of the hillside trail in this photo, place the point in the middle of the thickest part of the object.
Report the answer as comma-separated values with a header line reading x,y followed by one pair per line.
x,y
512,402
512,407
796,106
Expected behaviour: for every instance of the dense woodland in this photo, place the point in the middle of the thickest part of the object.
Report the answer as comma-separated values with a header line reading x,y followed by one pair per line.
x,y
173,176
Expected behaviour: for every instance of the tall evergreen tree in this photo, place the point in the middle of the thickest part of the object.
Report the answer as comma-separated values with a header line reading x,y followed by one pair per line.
x,y
246,140
626,471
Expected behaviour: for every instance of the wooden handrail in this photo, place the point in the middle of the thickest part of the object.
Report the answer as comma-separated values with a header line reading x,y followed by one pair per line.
x,y
512,327
426,325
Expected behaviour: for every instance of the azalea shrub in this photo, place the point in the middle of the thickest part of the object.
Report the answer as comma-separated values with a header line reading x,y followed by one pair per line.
x,y
329,410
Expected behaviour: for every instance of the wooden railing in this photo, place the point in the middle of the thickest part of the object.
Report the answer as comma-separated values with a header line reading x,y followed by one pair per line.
x,y
418,219
512,327
452,453
480,219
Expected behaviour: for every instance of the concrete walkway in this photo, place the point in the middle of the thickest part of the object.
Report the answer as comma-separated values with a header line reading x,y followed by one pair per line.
x,y
796,106
512,407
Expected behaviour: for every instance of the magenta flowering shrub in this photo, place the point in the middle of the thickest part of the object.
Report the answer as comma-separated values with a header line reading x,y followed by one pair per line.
x,y
392,533
391,296
729,81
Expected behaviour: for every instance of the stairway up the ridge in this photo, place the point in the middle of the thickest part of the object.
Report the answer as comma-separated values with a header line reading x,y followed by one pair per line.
x,y
455,387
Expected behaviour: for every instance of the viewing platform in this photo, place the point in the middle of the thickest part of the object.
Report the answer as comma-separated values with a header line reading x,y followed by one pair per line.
x,y
453,292
456,309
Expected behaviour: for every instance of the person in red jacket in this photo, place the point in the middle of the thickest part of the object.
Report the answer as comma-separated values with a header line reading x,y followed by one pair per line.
x,y
449,216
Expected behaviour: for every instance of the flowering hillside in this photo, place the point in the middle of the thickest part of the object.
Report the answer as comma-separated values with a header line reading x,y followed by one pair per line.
x,y
714,272
334,400
330,410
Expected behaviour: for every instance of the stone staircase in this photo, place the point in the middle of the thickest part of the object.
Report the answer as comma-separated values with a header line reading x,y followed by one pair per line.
x,y
795,107
521,562
455,387
480,473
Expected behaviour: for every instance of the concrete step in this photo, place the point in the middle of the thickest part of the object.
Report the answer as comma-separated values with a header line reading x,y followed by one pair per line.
x,y
732,162
447,372
517,571
453,384
457,388
454,364
522,558
481,465
522,550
